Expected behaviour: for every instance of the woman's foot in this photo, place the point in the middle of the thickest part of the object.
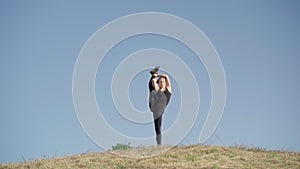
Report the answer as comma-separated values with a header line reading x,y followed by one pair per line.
x,y
154,70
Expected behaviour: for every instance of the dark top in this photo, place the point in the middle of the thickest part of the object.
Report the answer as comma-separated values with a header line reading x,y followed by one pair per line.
x,y
168,95
158,100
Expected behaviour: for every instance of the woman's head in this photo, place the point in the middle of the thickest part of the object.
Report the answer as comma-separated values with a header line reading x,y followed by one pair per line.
x,y
162,82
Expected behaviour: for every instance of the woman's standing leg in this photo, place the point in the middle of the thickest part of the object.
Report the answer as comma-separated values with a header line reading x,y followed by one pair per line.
x,y
157,125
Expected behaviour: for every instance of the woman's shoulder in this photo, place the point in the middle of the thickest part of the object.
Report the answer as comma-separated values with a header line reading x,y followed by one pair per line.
x,y
168,91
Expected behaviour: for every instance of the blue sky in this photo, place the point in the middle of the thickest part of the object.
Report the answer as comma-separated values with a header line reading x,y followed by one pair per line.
x,y
257,42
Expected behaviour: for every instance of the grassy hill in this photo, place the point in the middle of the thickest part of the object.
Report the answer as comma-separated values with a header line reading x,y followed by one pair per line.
x,y
196,156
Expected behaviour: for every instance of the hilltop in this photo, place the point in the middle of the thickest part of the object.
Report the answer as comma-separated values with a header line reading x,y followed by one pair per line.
x,y
195,156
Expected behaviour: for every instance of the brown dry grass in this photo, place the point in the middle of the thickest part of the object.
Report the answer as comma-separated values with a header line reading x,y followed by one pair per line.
x,y
197,156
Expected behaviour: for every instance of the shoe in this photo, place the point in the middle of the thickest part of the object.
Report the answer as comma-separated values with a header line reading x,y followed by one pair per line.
x,y
154,70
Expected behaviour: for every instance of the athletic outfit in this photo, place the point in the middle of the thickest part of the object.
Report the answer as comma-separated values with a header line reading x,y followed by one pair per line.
x,y
158,101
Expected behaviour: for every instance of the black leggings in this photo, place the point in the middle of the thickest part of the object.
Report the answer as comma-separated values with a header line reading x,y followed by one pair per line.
x,y
157,124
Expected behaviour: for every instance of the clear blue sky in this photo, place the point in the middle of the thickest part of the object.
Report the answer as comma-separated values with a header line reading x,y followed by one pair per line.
x,y
257,41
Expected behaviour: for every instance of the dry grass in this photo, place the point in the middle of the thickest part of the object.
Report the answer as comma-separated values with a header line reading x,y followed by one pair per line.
x,y
197,156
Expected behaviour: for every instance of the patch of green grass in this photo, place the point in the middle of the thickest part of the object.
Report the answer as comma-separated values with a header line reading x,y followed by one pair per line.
x,y
121,146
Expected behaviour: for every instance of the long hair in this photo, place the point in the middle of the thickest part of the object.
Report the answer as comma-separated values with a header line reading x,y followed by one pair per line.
x,y
161,77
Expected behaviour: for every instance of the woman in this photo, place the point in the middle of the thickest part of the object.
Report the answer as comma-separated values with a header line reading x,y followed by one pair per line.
x,y
160,94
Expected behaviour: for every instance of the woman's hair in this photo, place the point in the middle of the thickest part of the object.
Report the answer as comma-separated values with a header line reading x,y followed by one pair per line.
x,y
161,77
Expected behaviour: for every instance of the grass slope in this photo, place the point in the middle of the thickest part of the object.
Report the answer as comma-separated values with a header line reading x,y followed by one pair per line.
x,y
196,156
